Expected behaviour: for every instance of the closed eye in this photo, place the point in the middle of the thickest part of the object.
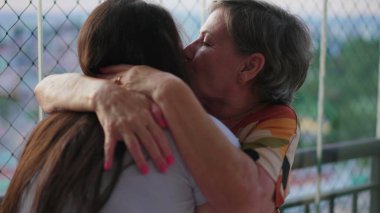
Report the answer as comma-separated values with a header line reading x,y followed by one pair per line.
x,y
205,44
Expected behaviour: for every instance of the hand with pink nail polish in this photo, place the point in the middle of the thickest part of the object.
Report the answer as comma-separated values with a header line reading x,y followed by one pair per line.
x,y
133,118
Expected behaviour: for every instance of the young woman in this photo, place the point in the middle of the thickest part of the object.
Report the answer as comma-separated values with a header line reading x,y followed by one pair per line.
x,y
61,167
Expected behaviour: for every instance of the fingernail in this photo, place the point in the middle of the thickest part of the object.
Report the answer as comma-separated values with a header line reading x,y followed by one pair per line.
x,y
107,166
162,123
144,169
170,159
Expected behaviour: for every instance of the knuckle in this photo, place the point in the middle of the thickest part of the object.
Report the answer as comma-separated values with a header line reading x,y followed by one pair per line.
x,y
108,143
108,126
108,147
133,147
134,119
157,158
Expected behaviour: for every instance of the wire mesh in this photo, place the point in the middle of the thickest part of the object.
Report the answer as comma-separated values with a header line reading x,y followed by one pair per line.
x,y
351,79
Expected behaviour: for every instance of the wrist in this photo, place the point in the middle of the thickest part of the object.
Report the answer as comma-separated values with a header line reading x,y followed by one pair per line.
x,y
172,90
99,94
143,79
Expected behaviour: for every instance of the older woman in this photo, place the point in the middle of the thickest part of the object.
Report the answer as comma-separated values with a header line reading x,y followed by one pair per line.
x,y
249,60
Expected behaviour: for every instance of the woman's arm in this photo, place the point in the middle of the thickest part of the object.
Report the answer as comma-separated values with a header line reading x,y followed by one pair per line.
x,y
231,181
205,208
65,92
116,108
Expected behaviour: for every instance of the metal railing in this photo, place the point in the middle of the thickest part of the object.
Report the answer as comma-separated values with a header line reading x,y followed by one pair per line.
x,y
339,152
352,48
334,153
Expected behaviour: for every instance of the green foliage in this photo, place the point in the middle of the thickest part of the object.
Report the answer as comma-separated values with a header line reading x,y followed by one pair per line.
x,y
350,91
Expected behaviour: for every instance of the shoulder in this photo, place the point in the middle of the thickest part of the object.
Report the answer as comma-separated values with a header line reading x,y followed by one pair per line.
x,y
274,126
273,116
273,112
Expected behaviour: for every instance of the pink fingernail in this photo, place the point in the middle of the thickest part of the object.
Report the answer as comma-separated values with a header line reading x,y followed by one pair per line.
x,y
107,166
144,169
163,123
170,159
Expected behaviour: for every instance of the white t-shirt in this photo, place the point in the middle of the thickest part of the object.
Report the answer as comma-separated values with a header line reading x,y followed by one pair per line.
x,y
172,192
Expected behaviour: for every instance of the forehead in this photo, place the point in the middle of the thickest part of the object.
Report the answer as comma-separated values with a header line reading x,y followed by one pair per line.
x,y
215,24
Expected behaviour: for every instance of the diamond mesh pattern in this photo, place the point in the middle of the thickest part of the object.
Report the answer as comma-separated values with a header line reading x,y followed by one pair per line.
x,y
351,81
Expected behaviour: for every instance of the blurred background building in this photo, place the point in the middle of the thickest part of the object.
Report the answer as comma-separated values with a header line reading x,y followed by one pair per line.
x,y
338,163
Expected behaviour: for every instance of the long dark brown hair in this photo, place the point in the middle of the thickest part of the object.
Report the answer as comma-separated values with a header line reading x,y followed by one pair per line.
x,y
64,157
64,154
130,32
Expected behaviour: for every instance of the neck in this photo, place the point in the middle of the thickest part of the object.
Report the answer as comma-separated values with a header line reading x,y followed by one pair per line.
x,y
233,121
231,110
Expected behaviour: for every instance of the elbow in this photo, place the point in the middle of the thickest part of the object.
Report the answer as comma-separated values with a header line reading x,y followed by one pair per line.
x,y
258,191
39,93
252,200
39,97
260,200
249,189
262,193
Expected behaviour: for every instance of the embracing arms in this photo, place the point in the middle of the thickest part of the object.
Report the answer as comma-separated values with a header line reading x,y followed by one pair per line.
x,y
230,180
54,91
81,93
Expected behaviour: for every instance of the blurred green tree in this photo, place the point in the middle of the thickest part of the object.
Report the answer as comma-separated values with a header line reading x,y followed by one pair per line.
x,y
350,91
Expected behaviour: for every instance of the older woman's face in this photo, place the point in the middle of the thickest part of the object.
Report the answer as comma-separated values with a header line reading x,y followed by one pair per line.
x,y
213,62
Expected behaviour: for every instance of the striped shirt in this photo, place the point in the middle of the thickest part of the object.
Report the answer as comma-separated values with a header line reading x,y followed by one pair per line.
x,y
270,137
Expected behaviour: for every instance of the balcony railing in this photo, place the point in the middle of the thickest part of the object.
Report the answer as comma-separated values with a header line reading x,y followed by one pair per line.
x,y
346,40
334,153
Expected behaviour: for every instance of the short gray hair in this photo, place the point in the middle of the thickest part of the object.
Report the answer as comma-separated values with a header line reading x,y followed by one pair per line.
x,y
281,37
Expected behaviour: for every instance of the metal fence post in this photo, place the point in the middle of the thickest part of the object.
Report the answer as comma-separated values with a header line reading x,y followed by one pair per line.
x,y
321,98
378,99
40,49
375,193
203,11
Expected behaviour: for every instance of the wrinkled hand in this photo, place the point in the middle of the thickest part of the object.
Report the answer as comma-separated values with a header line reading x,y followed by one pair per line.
x,y
144,79
128,116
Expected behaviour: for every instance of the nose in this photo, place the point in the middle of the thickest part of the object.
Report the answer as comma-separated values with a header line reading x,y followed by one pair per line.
x,y
190,50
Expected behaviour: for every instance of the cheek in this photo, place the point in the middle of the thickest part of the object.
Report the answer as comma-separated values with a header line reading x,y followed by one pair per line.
x,y
214,69
217,79
205,80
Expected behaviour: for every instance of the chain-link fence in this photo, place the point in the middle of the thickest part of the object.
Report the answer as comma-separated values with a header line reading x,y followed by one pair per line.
x,y
18,61
351,82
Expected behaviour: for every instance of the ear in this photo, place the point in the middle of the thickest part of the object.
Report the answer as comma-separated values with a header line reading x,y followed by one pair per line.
x,y
252,66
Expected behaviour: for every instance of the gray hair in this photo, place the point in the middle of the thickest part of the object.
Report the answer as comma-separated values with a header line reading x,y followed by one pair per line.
x,y
283,39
